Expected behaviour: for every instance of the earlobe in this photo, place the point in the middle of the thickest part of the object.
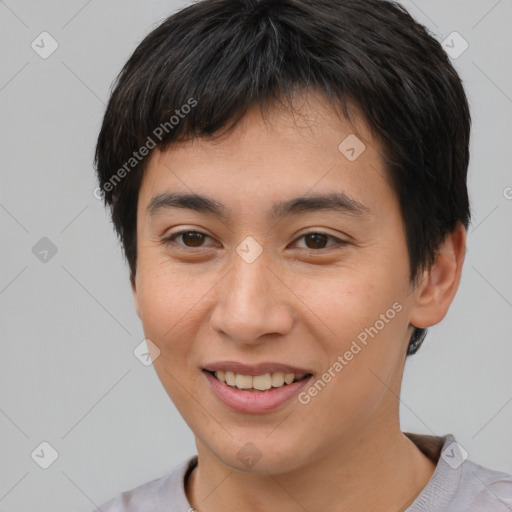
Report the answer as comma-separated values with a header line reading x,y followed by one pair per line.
x,y
439,285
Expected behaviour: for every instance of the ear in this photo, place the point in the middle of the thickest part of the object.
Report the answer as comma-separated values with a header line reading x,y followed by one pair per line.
x,y
439,284
135,294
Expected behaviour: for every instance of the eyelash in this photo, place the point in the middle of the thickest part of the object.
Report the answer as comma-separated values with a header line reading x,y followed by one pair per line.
x,y
170,240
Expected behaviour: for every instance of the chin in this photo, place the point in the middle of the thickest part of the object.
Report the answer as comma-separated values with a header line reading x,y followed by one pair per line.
x,y
262,456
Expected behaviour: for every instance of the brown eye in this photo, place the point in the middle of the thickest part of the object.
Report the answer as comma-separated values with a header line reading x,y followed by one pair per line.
x,y
193,237
189,238
316,241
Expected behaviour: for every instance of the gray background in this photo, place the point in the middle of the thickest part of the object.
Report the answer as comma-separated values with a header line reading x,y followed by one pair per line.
x,y
68,375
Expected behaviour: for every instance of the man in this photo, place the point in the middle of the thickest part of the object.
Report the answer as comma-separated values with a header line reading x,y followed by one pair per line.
x,y
288,180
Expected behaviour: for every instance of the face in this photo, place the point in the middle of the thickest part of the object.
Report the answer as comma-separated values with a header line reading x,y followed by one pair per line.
x,y
255,283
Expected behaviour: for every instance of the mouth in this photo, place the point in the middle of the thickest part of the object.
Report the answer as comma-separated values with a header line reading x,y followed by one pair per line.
x,y
260,388
259,383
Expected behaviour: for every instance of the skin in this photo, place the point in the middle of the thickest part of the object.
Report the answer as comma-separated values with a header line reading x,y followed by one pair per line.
x,y
300,302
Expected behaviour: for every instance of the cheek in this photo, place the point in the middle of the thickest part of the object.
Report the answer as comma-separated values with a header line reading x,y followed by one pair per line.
x,y
169,314
174,304
367,320
347,303
165,303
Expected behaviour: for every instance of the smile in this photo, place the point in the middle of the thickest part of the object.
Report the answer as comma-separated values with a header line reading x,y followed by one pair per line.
x,y
255,394
258,382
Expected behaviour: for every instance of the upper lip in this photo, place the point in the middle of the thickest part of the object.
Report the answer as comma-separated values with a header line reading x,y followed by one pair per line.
x,y
253,369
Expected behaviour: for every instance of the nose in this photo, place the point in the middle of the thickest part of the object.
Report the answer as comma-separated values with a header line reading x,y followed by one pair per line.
x,y
252,302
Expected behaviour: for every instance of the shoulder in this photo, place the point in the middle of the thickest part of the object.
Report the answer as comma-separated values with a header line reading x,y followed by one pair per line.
x,y
482,488
164,494
458,483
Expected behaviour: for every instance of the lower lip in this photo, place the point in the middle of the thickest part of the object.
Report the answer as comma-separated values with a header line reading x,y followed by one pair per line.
x,y
254,401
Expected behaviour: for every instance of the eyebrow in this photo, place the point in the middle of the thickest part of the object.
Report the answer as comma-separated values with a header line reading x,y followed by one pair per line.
x,y
335,201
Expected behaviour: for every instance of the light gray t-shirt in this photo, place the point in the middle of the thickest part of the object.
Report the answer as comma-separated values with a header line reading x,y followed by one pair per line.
x,y
457,485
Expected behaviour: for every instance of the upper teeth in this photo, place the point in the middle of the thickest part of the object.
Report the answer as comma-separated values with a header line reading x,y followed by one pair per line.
x,y
259,382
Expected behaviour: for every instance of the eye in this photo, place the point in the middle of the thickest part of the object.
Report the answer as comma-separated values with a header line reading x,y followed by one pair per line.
x,y
317,240
189,237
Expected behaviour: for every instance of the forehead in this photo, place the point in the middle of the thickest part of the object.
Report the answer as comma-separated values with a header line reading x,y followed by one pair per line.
x,y
275,156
